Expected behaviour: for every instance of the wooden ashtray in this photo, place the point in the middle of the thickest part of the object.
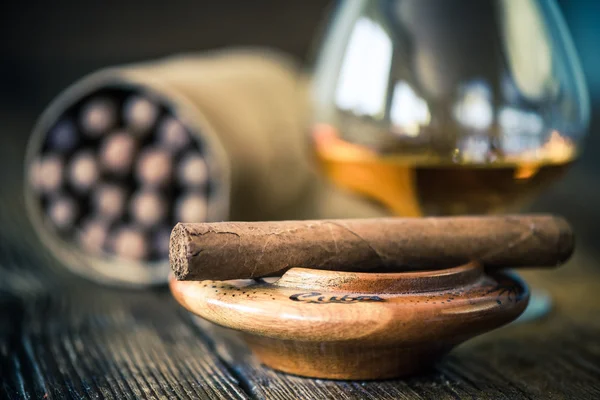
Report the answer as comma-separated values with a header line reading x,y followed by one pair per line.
x,y
348,325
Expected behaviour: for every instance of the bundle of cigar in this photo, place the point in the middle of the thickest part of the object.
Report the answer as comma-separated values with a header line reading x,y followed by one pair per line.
x,y
125,153
238,250
117,171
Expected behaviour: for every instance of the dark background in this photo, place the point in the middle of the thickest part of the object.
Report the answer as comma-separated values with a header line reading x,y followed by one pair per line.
x,y
61,337
45,46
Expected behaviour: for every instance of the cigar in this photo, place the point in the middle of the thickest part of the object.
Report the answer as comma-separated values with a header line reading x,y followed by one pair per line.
x,y
191,208
192,170
130,243
173,135
98,116
62,211
83,171
47,174
117,152
239,250
92,236
109,201
140,114
148,208
154,167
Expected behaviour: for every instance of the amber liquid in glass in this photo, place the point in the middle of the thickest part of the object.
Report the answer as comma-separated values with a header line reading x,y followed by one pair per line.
x,y
425,185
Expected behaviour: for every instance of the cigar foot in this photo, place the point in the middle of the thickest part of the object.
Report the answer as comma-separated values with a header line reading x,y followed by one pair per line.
x,y
178,251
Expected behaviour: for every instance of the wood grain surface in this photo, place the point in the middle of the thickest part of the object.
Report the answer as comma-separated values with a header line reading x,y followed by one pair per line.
x,y
62,337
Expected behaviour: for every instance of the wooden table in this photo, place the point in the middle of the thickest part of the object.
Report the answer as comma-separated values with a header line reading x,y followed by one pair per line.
x,y
63,337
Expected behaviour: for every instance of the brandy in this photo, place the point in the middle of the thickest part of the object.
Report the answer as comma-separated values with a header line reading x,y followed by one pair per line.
x,y
416,185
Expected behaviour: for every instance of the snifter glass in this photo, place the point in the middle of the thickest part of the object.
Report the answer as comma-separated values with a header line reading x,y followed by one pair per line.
x,y
447,107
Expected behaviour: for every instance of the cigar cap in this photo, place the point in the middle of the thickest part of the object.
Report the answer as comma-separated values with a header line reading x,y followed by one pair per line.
x,y
140,113
62,212
173,135
148,208
93,234
97,116
565,241
192,170
117,152
47,173
154,167
83,171
130,243
192,207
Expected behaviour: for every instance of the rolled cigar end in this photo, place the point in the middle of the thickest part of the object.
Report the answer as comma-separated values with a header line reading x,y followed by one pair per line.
x,y
178,251
239,250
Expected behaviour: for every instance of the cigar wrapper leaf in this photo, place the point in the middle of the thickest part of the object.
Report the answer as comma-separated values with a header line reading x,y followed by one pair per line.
x,y
239,250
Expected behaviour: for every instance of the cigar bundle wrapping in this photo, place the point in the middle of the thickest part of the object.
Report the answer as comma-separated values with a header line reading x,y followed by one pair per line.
x,y
237,250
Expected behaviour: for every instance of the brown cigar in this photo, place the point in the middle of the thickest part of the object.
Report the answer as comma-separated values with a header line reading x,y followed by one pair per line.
x,y
238,250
